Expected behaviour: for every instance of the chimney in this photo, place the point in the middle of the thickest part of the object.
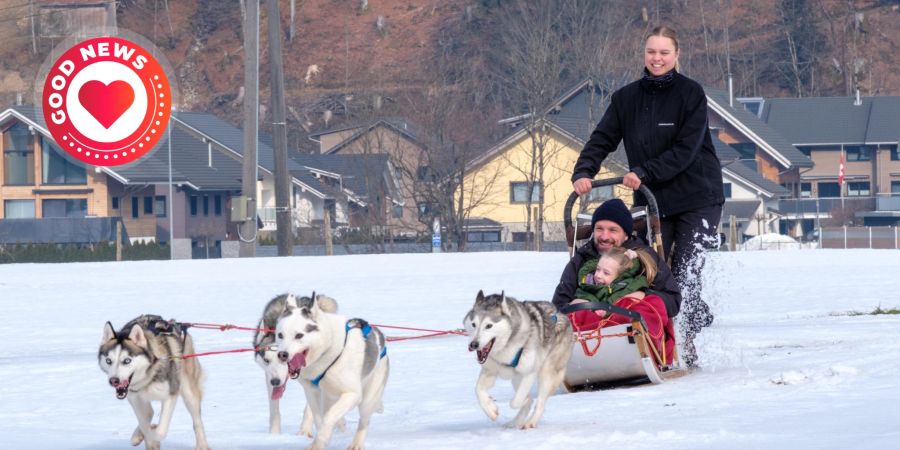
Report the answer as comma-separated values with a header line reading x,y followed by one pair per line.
x,y
730,91
858,100
19,99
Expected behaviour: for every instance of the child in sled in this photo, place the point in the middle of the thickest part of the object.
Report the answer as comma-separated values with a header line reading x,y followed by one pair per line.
x,y
622,277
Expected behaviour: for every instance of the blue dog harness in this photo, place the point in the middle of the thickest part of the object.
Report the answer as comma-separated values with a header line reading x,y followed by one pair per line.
x,y
366,331
515,361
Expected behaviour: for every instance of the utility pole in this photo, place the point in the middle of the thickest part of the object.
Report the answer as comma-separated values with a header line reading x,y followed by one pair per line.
x,y
247,229
284,233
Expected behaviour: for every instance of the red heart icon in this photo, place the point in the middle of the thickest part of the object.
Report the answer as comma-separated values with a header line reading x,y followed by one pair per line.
x,y
106,102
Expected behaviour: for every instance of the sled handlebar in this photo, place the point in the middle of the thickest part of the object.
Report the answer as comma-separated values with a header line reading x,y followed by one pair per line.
x,y
652,212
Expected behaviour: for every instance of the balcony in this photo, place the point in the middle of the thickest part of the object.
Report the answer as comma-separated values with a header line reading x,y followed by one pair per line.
x,y
824,206
888,202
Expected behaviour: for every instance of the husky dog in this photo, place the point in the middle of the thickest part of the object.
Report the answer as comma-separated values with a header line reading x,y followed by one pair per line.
x,y
143,361
522,341
341,364
276,370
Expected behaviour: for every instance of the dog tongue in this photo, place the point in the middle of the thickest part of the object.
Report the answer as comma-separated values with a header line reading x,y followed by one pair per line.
x,y
297,362
278,391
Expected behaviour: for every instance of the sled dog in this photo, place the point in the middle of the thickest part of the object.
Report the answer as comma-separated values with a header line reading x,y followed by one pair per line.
x,y
276,370
340,363
522,341
143,362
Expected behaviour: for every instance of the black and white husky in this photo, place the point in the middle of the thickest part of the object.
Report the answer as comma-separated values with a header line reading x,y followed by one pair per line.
x,y
522,341
143,362
341,364
276,370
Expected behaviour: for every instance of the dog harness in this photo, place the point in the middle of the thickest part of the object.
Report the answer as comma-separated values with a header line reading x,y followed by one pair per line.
x,y
366,331
515,361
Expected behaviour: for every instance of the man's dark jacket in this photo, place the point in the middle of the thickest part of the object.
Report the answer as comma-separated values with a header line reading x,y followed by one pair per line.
x,y
667,141
663,285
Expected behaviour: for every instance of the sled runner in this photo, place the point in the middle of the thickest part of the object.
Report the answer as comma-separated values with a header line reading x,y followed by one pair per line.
x,y
633,344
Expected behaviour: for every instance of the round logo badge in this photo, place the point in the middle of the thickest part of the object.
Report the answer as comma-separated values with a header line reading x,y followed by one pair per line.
x,y
106,101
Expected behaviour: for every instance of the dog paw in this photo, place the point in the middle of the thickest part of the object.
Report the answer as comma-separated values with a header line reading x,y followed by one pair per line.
x,y
492,411
151,445
528,425
137,437
315,446
305,432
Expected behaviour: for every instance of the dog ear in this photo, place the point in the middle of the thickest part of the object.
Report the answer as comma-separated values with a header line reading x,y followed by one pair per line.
x,y
137,336
290,302
504,304
109,333
480,297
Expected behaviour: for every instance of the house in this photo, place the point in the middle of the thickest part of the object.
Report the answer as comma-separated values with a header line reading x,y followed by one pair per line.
x,y
406,145
751,200
863,132
38,181
317,184
499,179
768,161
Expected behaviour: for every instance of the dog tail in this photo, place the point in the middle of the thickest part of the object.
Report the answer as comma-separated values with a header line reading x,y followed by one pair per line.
x,y
192,367
326,303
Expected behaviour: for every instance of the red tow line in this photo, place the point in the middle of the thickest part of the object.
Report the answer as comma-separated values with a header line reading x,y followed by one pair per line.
x,y
226,327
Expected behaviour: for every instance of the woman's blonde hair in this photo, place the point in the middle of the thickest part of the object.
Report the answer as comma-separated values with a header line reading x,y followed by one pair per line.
x,y
625,258
667,32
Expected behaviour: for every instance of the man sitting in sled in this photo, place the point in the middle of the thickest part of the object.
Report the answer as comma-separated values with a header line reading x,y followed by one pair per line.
x,y
612,227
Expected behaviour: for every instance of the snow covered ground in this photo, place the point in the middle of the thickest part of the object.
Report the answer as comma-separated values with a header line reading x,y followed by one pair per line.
x,y
784,365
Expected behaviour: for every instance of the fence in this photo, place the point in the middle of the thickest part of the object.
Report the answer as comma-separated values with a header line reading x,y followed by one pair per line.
x,y
366,249
860,237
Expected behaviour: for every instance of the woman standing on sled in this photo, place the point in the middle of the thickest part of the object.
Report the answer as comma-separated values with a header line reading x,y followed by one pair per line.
x,y
662,119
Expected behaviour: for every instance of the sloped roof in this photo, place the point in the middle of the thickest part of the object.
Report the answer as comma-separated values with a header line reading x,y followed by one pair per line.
x,y
403,127
835,120
229,136
190,155
766,138
742,210
354,170
733,165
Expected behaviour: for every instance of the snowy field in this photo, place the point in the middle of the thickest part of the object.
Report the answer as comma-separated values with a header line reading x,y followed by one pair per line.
x,y
784,365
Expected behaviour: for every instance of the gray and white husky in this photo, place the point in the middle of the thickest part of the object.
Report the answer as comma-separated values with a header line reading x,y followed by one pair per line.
x,y
143,362
276,370
341,364
522,341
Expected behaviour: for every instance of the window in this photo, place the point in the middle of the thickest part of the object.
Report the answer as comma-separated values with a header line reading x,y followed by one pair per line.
x,y
74,207
746,149
193,205
205,205
858,189
600,193
829,189
895,187
18,156
217,205
483,236
426,209
518,191
57,169
859,152
115,203
424,173
148,205
895,155
397,211
18,209
726,188
805,190
134,207
159,204
521,236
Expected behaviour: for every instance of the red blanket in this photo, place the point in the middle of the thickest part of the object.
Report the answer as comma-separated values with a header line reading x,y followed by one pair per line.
x,y
652,310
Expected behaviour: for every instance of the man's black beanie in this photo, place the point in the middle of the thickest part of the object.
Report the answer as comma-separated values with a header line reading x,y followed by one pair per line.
x,y
616,211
